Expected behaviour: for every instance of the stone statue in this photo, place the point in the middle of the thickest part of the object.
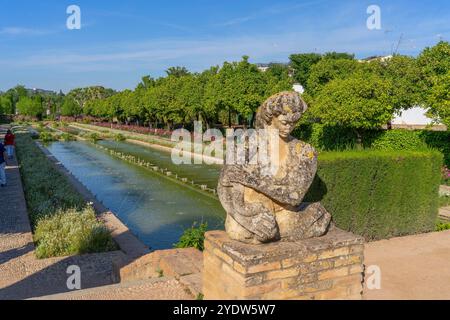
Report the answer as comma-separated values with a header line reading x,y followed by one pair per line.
x,y
263,208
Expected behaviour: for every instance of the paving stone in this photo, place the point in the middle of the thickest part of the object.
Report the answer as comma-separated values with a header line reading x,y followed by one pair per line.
x,y
155,289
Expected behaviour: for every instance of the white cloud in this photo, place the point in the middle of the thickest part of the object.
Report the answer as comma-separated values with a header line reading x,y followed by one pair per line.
x,y
266,12
19,31
214,50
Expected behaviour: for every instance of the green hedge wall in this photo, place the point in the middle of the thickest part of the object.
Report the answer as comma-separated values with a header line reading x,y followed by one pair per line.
x,y
439,140
327,138
379,194
400,139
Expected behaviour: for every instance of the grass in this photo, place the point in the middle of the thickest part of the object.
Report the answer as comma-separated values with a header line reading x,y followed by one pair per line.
x,y
62,223
200,296
160,273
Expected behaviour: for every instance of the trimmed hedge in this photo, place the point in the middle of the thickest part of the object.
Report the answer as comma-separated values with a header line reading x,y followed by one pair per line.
x,y
327,138
379,194
439,140
399,140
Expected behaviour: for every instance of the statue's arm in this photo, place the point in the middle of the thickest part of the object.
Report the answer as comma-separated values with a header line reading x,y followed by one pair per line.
x,y
289,190
254,217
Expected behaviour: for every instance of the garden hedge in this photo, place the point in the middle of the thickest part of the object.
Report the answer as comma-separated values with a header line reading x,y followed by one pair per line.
x,y
379,194
326,138
439,140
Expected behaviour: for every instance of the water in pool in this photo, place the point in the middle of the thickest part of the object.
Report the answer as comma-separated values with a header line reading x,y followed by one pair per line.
x,y
154,208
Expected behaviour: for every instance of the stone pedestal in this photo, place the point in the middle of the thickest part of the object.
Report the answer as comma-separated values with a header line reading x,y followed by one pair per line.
x,y
329,267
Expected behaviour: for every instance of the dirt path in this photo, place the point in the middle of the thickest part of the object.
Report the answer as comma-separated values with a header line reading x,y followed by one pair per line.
x,y
412,267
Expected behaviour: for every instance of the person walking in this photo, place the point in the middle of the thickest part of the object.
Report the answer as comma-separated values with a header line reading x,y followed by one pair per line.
x,y
9,144
3,157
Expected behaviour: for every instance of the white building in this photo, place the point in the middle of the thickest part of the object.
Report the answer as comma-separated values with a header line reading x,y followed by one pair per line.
x,y
415,118
298,88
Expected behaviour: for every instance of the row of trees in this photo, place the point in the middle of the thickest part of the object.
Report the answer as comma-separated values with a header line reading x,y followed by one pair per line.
x,y
228,95
339,91
32,103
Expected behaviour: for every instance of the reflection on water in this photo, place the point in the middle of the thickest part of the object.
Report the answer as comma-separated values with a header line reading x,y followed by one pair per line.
x,y
154,208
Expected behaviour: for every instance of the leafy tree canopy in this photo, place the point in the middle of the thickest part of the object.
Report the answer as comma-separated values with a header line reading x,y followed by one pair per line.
x,y
359,101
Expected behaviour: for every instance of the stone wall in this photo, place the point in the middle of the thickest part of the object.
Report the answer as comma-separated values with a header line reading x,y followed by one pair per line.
x,y
329,267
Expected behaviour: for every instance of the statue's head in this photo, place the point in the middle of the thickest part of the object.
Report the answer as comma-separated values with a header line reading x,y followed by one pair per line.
x,y
281,112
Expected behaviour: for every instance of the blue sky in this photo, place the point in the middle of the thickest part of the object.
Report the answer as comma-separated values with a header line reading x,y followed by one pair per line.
x,y
120,41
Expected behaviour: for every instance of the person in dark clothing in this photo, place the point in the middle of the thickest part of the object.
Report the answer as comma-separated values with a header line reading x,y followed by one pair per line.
x,y
9,144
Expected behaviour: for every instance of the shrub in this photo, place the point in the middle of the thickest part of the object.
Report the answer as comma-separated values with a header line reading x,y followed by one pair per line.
x,y
439,140
93,137
71,232
399,140
379,194
335,138
46,136
119,137
67,137
193,237
442,226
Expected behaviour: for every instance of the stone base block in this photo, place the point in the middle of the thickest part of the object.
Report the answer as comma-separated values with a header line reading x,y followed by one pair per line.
x,y
329,267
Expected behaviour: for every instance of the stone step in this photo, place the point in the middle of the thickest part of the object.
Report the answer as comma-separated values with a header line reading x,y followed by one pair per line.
x,y
444,213
151,289
182,264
